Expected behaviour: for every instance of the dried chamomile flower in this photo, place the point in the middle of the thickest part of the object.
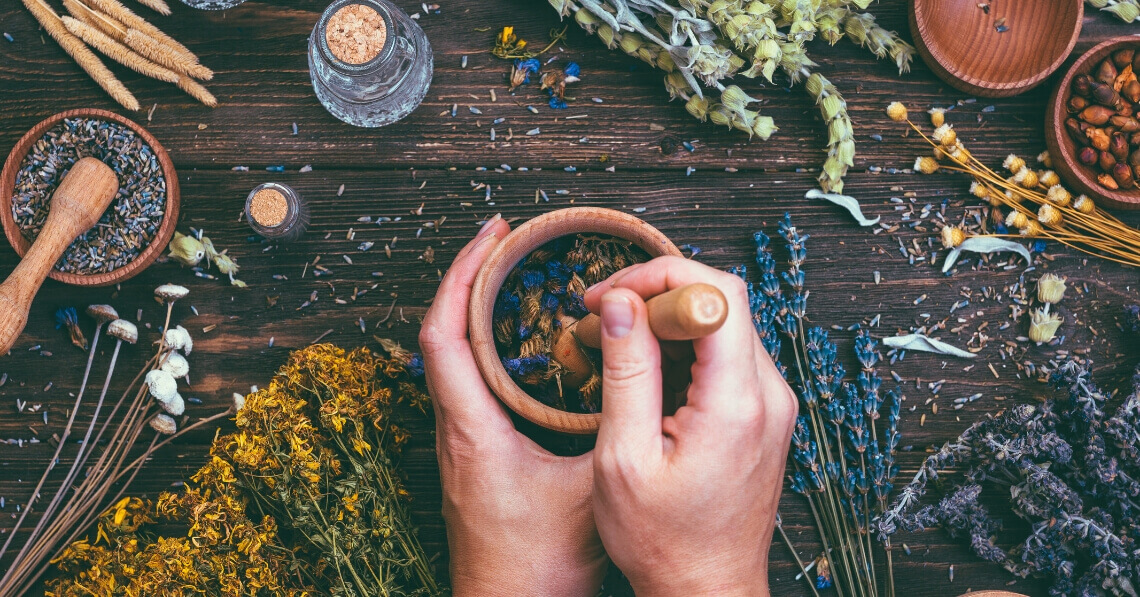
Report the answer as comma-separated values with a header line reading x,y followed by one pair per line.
x,y
952,236
162,385
1043,326
1045,159
1049,215
925,165
176,365
1048,178
945,135
1051,289
979,190
168,293
179,339
102,313
896,112
1013,163
1032,228
959,153
164,424
1016,219
1058,195
1025,178
937,116
1084,205
123,330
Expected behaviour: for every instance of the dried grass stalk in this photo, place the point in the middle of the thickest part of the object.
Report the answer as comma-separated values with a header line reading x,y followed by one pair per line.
x,y
118,52
100,21
83,56
115,10
158,6
153,50
197,91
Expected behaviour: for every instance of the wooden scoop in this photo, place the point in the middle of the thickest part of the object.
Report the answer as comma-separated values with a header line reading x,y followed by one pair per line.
x,y
684,313
78,203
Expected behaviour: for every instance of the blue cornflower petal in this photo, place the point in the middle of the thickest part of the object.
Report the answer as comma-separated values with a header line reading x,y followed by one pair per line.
x,y
1038,246
557,103
573,69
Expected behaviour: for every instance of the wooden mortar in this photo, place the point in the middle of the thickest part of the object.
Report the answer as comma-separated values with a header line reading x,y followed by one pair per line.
x,y
510,251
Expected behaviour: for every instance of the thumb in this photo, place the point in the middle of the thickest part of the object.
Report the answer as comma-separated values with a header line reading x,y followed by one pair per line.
x,y
631,376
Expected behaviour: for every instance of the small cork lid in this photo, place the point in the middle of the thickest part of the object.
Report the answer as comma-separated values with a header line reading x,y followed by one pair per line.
x,y
268,207
356,33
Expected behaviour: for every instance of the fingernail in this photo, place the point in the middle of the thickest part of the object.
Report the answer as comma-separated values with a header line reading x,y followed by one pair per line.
x,y
617,315
591,288
488,224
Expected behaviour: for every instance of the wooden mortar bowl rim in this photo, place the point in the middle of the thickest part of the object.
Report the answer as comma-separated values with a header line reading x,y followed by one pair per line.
x,y
960,78
1063,149
165,230
519,243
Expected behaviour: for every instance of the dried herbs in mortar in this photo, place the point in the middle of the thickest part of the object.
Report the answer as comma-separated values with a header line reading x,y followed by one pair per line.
x,y
304,499
537,295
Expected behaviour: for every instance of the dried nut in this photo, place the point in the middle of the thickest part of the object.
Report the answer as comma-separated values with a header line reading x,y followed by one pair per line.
x,y
1134,158
1098,138
1125,109
1106,161
1076,131
1134,139
1119,147
1107,181
1125,124
1106,72
1104,95
1088,156
1077,103
1097,115
1131,91
1082,85
1136,172
1122,174
1122,58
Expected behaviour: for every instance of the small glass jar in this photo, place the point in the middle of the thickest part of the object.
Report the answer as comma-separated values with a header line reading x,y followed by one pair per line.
x,y
279,213
212,4
385,88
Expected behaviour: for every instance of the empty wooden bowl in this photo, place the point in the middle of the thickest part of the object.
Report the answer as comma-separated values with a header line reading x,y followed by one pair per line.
x,y
1078,177
960,41
165,231
510,251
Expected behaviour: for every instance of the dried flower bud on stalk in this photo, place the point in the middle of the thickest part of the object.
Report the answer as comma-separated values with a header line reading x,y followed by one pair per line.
x,y
1051,289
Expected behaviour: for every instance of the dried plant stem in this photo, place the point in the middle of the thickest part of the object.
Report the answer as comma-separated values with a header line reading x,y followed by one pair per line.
x,y
159,6
122,14
118,52
197,91
795,554
83,56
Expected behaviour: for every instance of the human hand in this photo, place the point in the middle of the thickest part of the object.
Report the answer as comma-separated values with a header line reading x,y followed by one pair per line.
x,y
519,519
686,504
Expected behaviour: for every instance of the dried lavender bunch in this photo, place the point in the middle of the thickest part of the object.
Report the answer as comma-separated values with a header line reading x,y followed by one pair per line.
x,y
844,464
700,43
1071,472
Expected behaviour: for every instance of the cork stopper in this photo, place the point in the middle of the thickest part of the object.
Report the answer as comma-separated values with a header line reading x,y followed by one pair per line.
x,y
356,33
268,207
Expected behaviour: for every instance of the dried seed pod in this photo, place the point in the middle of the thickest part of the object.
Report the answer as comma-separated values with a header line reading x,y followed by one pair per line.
x,y
1134,158
1136,172
1077,103
1088,156
1107,181
1119,147
1097,115
1134,139
1125,124
1082,85
1098,138
1125,109
1106,72
1123,58
1076,131
1106,161
1122,174
1103,94
1131,91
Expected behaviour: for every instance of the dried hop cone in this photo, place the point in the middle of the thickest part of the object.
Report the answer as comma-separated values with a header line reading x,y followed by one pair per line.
x,y
1051,289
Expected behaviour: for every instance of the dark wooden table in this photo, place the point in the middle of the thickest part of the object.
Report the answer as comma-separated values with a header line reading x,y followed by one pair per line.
x,y
433,161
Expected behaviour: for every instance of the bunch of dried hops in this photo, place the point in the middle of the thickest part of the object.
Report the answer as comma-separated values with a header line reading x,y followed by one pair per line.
x,y
1071,471
314,456
843,454
703,43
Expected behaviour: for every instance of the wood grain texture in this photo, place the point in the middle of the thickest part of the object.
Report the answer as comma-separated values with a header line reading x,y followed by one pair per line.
x,y
995,49
257,51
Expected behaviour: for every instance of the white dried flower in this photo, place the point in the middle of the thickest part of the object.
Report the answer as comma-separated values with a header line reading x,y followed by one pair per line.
x,y
175,406
176,365
102,313
170,292
162,385
1058,195
239,402
1013,163
1051,289
123,330
1043,326
179,339
164,424
925,165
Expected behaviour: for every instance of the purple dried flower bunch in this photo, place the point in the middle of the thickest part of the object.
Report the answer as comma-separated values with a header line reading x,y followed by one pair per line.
x,y
843,449
1071,471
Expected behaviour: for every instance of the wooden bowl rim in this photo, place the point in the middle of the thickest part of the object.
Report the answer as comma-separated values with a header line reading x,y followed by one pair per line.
x,y
519,243
170,212
1063,150
953,74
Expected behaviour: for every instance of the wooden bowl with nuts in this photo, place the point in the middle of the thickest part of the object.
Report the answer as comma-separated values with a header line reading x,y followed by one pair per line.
x,y
158,239
1092,125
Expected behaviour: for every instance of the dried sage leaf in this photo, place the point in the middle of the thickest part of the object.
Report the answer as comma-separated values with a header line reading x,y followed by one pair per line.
x,y
985,244
926,344
847,202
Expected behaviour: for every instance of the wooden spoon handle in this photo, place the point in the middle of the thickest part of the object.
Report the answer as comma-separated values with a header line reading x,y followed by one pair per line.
x,y
684,313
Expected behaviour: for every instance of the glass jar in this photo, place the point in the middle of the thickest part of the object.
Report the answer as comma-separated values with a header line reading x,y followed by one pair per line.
x,y
382,90
212,4
287,224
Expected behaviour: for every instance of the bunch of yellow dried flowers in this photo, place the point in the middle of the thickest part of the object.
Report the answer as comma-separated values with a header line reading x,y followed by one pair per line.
x,y
303,499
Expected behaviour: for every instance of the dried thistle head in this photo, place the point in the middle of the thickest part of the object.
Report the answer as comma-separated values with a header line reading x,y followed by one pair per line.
x,y
1084,205
1048,178
1013,163
896,111
952,236
945,135
1025,178
1049,215
1058,195
926,165
1016,219
1043,325
1051,289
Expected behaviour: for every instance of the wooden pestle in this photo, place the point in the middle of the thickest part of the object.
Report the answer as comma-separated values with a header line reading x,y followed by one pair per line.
x,y
685,313
77,205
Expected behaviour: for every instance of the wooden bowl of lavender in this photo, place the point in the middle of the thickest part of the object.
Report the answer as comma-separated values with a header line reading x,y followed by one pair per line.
x,y
530,288
140,221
